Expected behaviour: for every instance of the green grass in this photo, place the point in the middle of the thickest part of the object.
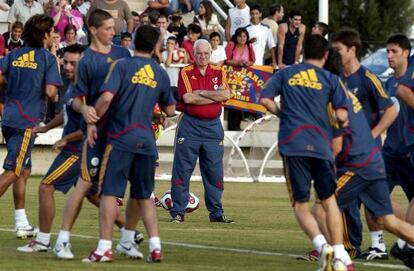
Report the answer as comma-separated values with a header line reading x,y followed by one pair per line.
x,y
264,222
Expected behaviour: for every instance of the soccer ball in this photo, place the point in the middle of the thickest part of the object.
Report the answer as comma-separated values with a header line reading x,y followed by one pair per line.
x,y
178,56
193,202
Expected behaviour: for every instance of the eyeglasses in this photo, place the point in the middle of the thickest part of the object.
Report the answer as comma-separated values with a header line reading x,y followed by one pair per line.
x,y
203,54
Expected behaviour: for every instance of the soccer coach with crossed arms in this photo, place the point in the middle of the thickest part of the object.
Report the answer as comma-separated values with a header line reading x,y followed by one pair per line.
x,y
201,89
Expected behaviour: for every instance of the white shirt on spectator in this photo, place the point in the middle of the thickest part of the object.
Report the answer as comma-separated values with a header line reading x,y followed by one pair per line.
x,y
172,72
19,11
263,35
84,8
218,55
212,24
239,18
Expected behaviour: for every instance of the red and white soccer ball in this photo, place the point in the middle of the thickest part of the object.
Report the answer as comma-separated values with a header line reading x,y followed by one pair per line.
x,y
178,56
193,202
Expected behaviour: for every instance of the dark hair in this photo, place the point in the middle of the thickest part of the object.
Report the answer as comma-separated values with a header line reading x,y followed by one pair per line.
x,y
68,28
74,48
274,8
315,47
146,37
194,28
401,40
349,37
215,34
153,16
173,38
209,10
324,28
256,7
36,28
334,62
294,13
17,25
98,17
238,32
134,13
126,35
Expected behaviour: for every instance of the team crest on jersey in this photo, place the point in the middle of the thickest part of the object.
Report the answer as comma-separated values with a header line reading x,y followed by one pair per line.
x,y
27,60
306,78
145,76
215,80
93,171
193,77
180,140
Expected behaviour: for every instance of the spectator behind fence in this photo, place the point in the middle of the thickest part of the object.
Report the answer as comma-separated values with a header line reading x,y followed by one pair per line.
x,y
239,16
63,15
240,53
126,39
320,28
290,39
13,39
193,34
218,54
176,26
121,13
83,6
275,15
162,24
260,36
206,19
22,10
70,36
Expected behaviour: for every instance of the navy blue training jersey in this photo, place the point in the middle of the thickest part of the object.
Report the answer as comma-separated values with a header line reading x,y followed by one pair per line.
x,y
71,121
138,83
360,152
27,70
408,81
305,91
395,144
92,70
368,89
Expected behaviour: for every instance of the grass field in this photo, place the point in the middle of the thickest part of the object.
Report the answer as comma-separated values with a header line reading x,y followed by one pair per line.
x,y
265,236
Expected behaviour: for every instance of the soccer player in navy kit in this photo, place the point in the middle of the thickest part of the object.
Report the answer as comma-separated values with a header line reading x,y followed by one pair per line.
x,y
65,169
131,90
374,99
201,89
90,74
305,136
32,73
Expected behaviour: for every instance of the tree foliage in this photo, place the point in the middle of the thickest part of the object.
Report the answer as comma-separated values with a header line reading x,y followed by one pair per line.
x,y
374,19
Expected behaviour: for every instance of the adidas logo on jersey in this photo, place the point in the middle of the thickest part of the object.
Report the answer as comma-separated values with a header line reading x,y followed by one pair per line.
x,y
306,79
145,76
26,61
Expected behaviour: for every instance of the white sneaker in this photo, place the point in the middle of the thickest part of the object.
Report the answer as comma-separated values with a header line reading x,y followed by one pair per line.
x,y
63,251
24,232
339,265
325,259
129,249
34,246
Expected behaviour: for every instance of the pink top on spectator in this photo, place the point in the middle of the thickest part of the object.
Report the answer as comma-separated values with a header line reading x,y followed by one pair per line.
x,y
64,20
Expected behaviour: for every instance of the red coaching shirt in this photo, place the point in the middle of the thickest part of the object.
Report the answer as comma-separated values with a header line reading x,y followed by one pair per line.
x,y
191,79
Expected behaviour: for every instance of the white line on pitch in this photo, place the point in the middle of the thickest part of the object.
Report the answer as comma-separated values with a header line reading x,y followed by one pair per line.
x,y
236,250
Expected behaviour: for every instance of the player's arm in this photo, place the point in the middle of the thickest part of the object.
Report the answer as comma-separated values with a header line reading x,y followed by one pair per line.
x,y
61,143
406,95
270,105
88,112
342,117
169,110
281,33
55,122
52,92
103,103
337,145
302,30
386,120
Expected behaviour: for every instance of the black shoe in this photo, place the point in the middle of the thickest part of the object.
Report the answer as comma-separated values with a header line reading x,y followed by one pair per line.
x,y
139,237
222,219
373,253
177,219
399,253
407,256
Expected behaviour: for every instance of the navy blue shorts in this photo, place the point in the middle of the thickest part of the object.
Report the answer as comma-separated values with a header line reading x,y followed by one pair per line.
x,y
400,171
119,166
299,173
91,163
373,194
19,143
64,171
